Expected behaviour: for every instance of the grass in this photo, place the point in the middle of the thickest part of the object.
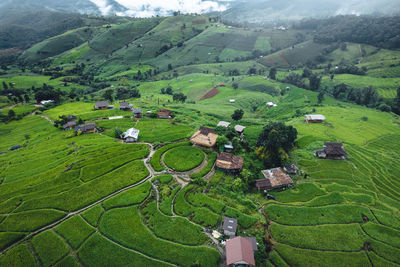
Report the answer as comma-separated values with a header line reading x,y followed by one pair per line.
x,y
211,158
75,230
8,238
345,237
93,215
177,229
68,261
29,220
130,197
99,251
125,226
183,158
166,203
49,247
156,159
18,256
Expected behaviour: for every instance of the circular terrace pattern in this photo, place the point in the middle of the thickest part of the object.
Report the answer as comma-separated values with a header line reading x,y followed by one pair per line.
x,y
183,158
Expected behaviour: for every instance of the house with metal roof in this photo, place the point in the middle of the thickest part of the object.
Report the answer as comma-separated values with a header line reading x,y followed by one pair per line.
x,y
239,252
273,178
224,124
230,226
131,135
315,118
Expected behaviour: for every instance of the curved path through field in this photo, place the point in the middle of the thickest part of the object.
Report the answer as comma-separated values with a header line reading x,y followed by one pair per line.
x,y
152,174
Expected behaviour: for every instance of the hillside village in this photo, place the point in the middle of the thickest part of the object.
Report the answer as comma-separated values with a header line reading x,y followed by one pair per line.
x,y
203,149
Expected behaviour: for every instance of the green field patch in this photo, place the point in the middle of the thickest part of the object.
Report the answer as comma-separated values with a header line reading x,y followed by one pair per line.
x,y
383,233
166,203
303,192
125,225
158,130
335,214
156,159
202,200
201,215
211,158
68,261
385,251
130,197
303,257
75,230
98,251
8,238
164,179
93,215
49,247
379,261
176,229
183,158
262,43
276,259
349,237
390,219
20,110
19,256
30,220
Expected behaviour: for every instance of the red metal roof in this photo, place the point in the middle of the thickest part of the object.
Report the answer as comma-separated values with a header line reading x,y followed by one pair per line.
x,y
239,250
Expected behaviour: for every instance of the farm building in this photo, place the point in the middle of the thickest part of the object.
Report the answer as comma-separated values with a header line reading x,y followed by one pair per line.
x,y
137,112
69,125
228,147
230,226
315,118
102,105
291,169
204,137
86,128
240,129
232,100
164,114
239,252
224,124
219,85
274,178
46,102
271,105
229,162
125,106
131,135
332,150
71,117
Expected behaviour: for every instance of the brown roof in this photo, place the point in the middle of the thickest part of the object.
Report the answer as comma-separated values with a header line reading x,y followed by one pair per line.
x,y
253,241
101,104
228,161
336,149
204,137
124,105
205,131
69,124
239,249
230,224
164,113
86,127
274,178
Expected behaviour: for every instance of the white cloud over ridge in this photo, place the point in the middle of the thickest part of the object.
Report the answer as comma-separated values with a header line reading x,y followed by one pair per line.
x,y
149,8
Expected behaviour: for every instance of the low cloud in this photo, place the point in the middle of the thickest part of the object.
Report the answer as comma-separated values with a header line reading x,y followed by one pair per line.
x,y
149,8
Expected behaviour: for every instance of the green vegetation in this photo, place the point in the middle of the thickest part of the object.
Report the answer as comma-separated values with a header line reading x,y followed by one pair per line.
x,y
130,197
156,159
75,231
210,164
49,247
183,158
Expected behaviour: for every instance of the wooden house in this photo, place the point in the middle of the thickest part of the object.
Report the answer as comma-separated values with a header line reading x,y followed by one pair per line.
x,y
137,113
125,106
332,150
86,128
315,118
204,137
101,105
274,178
69,125
229,162
164,114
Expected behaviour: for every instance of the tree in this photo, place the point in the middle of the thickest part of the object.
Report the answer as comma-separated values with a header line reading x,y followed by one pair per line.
x,y
179,97
221,142
169,67
11,114
5,86
307,73
274,142
169,90
108,95
238,114
321,96
118,132
315,82
272,73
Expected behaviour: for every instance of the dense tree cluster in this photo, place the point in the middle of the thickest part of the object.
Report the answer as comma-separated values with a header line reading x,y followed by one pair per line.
x,y
274,142
377,31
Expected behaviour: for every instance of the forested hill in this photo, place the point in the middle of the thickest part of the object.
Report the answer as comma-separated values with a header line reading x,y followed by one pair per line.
x,y
377,31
